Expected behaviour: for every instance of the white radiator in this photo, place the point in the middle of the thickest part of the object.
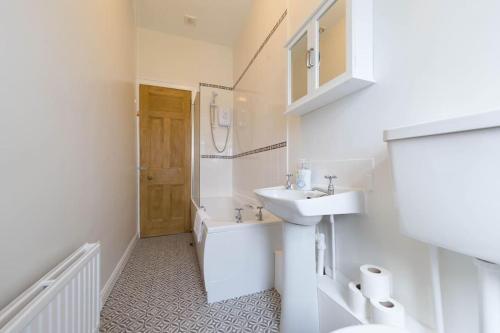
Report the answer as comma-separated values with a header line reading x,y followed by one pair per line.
x,y
66,300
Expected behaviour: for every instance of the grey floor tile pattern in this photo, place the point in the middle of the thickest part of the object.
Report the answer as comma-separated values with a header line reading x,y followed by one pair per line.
x,y
161,290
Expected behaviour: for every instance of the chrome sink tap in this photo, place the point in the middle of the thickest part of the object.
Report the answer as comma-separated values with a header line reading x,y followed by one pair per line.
x,y
259,214
238,217
289,181
331,189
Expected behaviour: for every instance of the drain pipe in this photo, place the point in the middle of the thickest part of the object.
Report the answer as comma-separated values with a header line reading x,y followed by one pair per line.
x,y
321,247
436,288
334,252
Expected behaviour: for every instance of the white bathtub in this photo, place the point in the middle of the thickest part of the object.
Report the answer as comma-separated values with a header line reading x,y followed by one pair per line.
x,y
237,259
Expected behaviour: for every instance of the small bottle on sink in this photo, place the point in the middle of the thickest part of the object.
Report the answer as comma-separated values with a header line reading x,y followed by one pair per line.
x,y
304,175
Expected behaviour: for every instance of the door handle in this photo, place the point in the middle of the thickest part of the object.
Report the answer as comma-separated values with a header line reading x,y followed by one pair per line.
x,y
150,177
309,62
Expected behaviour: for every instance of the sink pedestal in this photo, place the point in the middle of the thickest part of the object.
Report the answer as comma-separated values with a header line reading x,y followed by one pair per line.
x,y
299,302
489,296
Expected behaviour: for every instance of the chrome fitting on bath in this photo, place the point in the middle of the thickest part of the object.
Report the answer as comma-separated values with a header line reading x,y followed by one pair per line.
x,y
259,214
289,181
238,217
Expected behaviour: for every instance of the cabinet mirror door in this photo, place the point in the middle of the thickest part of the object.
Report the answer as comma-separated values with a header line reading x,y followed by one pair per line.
x,y
332,42
298,68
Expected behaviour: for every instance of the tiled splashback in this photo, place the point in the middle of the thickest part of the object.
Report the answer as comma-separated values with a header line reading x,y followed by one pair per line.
x,y
351,174
256,152
224,99
215,174
259,170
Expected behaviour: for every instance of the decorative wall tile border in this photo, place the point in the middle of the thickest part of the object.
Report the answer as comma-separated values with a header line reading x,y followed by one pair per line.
x,y
211,85
250,152
222,157
261,47
262,149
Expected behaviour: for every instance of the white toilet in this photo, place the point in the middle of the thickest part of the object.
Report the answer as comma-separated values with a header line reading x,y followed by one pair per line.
x,y
371,329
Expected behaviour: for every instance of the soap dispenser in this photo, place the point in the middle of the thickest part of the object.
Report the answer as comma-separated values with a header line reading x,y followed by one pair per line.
x,y
304,175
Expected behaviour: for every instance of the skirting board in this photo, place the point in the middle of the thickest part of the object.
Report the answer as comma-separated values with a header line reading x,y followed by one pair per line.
x,y
106,290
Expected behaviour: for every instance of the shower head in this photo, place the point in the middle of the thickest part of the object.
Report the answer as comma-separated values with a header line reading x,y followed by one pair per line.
x,y
214,95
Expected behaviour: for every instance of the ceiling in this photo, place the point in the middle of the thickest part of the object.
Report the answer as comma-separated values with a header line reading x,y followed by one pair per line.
x,y
218,21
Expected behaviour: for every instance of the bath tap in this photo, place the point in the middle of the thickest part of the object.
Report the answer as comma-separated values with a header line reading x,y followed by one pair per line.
x,y
331,189
239,218
289,181
259,214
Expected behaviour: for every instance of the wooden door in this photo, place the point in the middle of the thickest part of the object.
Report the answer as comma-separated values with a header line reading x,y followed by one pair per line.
x,y
165,151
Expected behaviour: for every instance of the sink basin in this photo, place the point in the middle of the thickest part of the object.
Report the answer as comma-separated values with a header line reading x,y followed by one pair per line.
x,y
308,207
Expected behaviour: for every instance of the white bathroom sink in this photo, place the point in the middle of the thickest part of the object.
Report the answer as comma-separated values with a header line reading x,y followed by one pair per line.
x,y
308,207
303,210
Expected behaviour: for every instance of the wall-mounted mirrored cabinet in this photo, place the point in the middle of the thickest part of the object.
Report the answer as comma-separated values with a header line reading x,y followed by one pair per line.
x,y
331,55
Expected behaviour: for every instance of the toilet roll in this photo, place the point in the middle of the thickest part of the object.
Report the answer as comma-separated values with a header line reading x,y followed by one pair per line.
x,y
356,301
388,312
376,282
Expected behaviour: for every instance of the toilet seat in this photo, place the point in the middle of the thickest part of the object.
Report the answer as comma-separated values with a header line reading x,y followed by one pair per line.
x,y
371,329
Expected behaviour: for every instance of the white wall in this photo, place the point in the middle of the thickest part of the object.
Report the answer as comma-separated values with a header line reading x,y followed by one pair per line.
x,y
261,19
68,135
433,59
298,12
182,61
259,100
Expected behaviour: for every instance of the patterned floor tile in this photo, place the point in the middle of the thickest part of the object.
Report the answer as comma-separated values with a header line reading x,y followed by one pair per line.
x,y
161,291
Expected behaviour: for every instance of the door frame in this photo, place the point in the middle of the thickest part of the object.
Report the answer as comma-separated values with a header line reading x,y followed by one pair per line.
x,y
162,84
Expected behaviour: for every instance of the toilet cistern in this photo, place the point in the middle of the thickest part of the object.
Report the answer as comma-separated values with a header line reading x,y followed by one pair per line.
x,y
427,159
